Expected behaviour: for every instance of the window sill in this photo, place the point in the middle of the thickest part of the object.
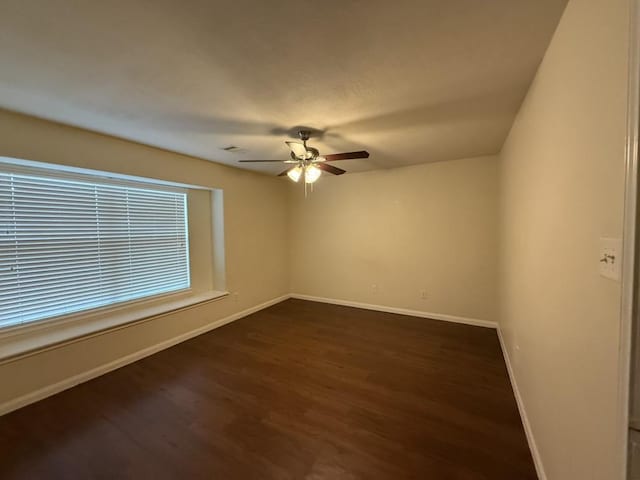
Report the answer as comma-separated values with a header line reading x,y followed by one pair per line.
x,y
23,340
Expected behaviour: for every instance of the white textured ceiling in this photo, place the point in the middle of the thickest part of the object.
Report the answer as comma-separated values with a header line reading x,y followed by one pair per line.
x,y
410,81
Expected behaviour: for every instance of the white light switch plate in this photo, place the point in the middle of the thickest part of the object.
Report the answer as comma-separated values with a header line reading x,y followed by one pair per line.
x,y
610,259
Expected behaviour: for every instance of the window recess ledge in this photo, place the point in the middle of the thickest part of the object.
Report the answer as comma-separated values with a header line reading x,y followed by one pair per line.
x,y
29,339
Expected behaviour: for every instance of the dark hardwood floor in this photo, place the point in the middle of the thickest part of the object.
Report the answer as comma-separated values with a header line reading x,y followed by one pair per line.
x,y
301,390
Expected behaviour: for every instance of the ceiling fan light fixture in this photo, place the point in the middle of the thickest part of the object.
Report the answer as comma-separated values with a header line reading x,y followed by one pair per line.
x,y
295,173
311,174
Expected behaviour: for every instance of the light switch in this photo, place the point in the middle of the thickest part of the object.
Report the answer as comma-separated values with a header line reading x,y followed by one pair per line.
x,y
610,258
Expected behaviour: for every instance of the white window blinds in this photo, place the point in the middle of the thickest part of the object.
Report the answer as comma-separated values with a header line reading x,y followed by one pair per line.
x,y
68,245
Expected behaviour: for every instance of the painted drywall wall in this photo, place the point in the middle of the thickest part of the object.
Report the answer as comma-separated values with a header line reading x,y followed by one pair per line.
x,y
382,237
255,240
562,178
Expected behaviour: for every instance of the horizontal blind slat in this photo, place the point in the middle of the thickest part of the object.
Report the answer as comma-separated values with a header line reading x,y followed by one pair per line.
x,y
67,293
51,277
108,257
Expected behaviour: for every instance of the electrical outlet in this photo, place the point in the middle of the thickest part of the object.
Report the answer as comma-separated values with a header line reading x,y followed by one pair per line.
x,y
374,288
423,295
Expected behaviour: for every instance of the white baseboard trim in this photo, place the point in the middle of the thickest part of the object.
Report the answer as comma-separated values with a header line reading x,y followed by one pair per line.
x,y
400,311
537,460
70,382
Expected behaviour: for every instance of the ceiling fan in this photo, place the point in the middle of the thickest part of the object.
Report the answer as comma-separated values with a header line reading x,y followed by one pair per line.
x,y
308,163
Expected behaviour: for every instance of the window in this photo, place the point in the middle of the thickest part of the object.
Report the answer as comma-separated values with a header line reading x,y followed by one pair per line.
x,y
69,245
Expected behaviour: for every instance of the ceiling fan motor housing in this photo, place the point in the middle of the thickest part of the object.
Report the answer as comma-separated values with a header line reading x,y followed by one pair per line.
x,y
312,154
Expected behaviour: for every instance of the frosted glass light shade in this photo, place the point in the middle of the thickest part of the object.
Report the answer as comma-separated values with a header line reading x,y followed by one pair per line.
x,y
295,173
311,174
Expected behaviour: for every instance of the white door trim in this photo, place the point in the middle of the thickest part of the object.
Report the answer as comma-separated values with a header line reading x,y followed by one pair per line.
x,y
628,286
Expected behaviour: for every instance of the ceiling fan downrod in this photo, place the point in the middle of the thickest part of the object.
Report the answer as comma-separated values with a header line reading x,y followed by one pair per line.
x,y
304,136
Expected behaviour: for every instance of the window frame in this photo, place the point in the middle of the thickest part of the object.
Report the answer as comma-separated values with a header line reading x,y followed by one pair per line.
x,y
21,339
89,182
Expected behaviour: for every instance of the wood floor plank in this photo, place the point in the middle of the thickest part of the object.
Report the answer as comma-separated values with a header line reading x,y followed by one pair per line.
x,y
301,390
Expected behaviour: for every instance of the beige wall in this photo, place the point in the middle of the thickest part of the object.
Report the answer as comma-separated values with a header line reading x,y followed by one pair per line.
x,y
562,189
255,237
431,227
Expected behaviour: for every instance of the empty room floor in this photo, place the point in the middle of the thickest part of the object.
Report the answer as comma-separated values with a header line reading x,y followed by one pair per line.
x,y
300,390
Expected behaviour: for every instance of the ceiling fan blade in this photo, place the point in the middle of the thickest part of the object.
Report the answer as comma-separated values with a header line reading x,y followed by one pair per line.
x,y
330,168
262,161
347,156
298,149
282,174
